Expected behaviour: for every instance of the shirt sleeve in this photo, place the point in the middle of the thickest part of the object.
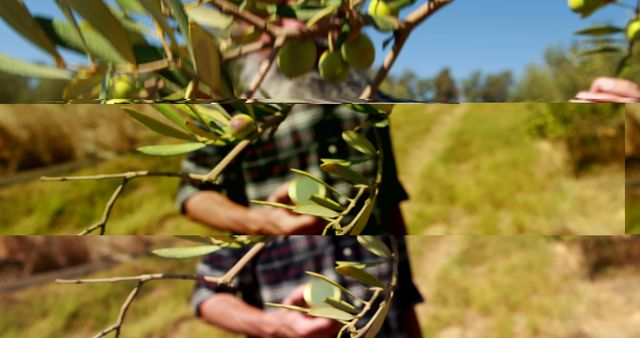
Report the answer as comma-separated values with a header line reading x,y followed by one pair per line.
x,y
216,265
202,161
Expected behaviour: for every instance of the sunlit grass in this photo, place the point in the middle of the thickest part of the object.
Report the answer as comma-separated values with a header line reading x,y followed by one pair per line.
x,y
494,177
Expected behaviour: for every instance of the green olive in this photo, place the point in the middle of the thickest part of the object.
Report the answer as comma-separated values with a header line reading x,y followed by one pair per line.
x,y
241,126
297,57
122,87
332,67
359,52
633,30
381,8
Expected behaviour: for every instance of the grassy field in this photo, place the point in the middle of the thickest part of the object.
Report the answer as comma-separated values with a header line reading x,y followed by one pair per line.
x,y
475,169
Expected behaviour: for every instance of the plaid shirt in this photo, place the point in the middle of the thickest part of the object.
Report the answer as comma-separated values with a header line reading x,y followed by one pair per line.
x,y
281,267
308,134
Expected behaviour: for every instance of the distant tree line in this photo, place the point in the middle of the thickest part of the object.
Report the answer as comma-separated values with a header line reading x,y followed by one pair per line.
x,y
565,72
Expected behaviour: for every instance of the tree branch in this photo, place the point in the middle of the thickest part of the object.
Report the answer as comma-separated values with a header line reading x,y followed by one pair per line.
x,y
264,69
401,35
125,178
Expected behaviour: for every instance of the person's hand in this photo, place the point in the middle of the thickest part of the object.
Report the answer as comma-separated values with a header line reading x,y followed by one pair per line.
x,y
289,324
278,221
606,89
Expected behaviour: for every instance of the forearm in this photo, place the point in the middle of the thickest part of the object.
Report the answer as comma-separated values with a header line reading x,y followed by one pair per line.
x,y
230,313
217,211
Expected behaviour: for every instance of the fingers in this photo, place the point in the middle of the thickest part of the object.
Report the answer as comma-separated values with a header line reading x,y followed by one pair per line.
x,y
618,88
296,297
280,195
602,97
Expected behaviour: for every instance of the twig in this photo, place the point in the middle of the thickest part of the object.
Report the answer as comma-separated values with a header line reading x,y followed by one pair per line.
x,y
227,279
117,327
125,178
264,69
229,8
219,168
246,49
401,35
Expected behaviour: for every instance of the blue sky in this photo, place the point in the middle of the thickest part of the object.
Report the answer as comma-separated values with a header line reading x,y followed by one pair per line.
x,y
490,35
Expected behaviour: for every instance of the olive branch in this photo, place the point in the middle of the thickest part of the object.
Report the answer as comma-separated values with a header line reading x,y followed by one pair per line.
x,y
117,46
204,126
601,38
350,314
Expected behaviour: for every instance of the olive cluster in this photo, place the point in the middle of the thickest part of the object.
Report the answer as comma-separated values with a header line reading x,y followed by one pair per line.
x,y
298,57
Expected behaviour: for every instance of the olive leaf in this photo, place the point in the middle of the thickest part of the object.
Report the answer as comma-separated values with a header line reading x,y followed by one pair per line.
x,y
312,209
206,56
345,173
359,142
186,252
600,30
27,69
362,219
171,114
16,14
158,126
341,305
171,149
153,7
330,312
375,246
106,23
327,203
378,319
359,275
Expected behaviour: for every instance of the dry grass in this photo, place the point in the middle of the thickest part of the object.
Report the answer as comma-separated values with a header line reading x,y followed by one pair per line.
x,y
39,135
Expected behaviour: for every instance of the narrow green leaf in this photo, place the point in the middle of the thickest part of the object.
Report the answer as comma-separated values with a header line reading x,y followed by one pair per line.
x,y
598,30
171,149
330,313
65,35
27,69
132,6
16,14
601,50
341,305
209,17
345,173
327,203
359,142
186,252
170,113
312,209
158,126
361,265
332,282
181,17
378,319
99,16
153,7
207,57
362,219
359,275
375,246
304,173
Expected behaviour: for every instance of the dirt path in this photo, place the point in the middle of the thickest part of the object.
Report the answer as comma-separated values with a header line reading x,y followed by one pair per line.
x,y
427,150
